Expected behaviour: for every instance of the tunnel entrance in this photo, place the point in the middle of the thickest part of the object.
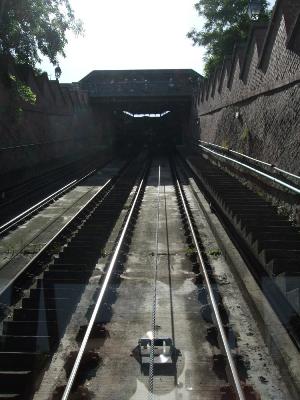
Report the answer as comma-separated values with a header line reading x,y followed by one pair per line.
x,y
149,108
156,133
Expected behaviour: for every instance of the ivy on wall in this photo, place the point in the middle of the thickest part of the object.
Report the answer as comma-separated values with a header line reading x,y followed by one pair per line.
x,y
19,93
23,91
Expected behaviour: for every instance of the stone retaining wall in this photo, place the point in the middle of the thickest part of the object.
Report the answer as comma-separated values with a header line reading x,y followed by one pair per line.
x,y
59,128
252,102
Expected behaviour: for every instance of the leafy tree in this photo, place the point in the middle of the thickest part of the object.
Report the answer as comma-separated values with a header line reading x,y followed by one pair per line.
x,y
30,29
226,22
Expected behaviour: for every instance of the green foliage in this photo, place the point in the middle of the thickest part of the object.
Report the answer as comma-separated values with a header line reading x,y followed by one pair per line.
x,y
226,23
191,251
225,144
31,28
245,135
23,91
215,252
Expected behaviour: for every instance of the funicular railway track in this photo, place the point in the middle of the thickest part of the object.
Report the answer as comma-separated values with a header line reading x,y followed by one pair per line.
x,y
31,195
26,214
153,370
53,287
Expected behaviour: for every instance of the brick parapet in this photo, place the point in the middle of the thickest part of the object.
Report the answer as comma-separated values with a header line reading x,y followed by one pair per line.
x,y
59,128
252,102
270,58
52,97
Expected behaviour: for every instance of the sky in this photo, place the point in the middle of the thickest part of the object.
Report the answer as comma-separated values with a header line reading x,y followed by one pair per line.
x,y
131,34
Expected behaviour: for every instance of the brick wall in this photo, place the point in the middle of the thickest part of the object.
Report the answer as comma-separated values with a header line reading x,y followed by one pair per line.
x,y
260,82
61,127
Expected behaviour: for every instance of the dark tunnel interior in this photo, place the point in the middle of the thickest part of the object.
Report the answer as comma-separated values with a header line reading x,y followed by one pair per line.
x,y
148,108
157,133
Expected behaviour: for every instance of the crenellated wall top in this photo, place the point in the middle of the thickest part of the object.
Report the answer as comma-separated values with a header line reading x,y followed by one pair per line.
x,y
52,97
270,59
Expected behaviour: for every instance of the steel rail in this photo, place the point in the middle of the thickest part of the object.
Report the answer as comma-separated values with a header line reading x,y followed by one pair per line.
x,y
48,244
251,158
154,301
236,152
270,177
233,370
25,214
98,304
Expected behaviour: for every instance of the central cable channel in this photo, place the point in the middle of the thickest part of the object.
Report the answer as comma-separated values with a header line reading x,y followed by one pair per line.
x,y
153,327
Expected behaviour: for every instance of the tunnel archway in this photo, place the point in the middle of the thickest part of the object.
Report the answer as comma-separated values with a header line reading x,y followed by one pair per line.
x,y
149,107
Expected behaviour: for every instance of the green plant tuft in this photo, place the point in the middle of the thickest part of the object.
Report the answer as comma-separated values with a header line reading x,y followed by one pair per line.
x,y
23,91
245,136
190,251
225,144
215,252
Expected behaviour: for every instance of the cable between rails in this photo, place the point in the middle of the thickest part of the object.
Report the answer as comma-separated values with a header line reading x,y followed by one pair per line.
x,y
153,327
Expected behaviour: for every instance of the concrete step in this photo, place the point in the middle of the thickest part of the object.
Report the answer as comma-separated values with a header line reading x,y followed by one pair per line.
x,y
67,276
40,344
70,268
48,302
283,245
266,255
281,264
19,361
36,314
33,328
53,291
273,234
273,240
274,226
14,381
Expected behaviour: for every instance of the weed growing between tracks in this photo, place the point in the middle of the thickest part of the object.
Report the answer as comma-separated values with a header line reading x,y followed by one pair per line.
x,y
215,253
